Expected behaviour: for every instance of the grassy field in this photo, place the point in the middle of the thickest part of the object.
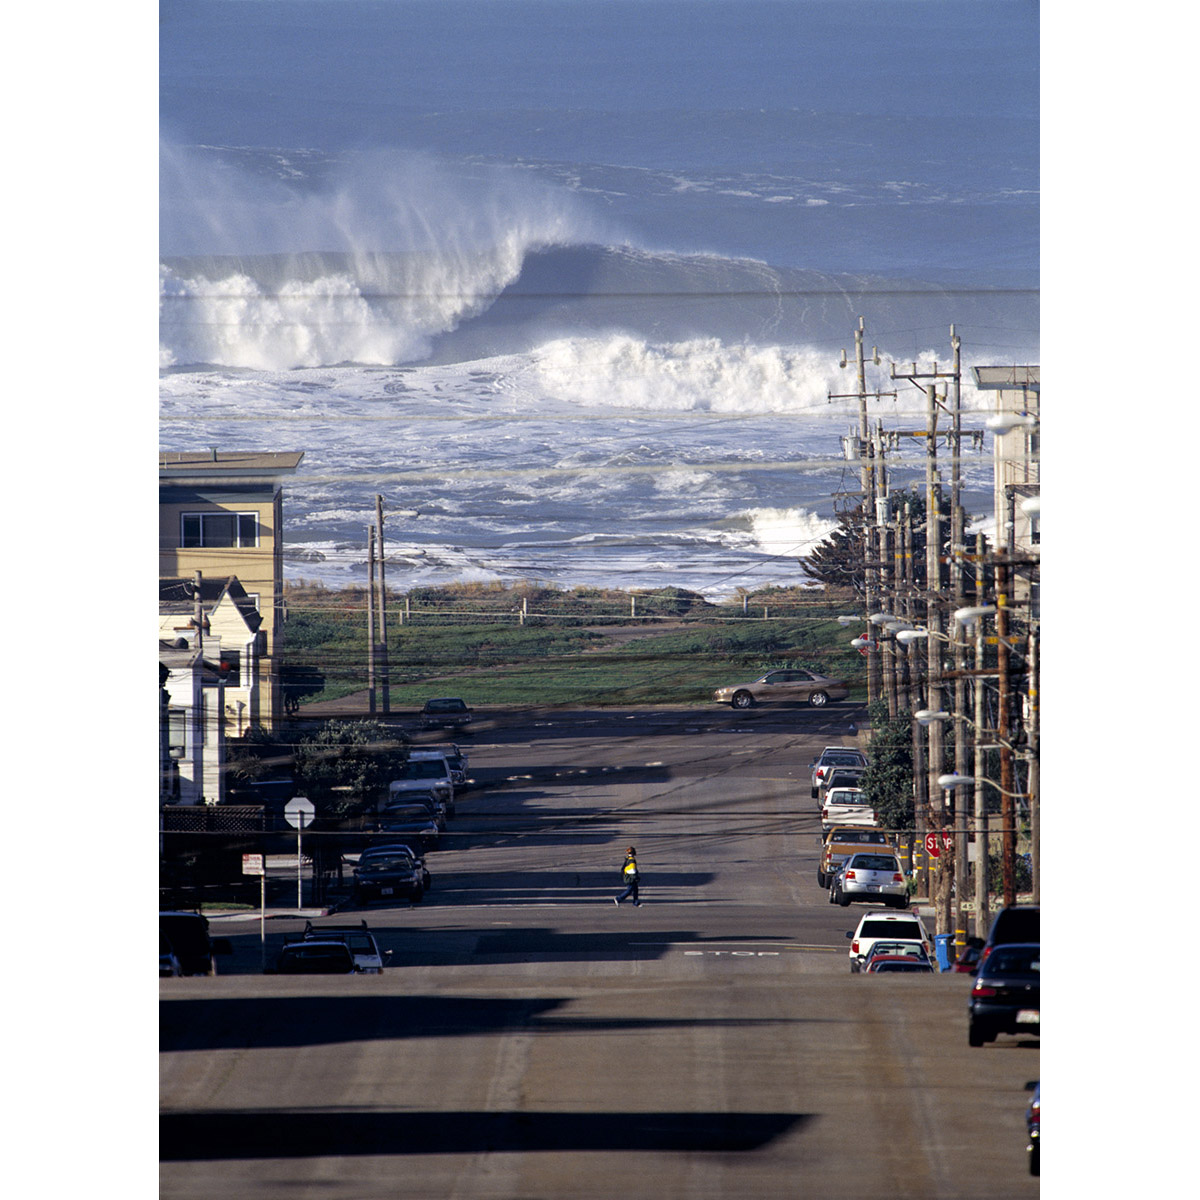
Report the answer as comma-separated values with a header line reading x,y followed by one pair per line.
x,y
572,648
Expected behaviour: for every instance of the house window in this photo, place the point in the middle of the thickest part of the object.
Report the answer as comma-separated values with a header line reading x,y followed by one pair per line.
x,y
177,732
219,529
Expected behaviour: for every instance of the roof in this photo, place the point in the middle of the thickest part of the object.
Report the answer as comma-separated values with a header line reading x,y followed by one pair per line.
x,y
210,465
1004,378
178,596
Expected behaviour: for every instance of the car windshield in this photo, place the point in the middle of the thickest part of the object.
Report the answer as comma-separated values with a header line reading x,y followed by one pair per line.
x,y
889,967
1014,960
845,759
846,796
393,862
443,706
429,768
874,862
914,949
862,837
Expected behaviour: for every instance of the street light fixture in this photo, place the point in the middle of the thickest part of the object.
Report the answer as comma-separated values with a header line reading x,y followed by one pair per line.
x,y
969,615
1006,422
927,716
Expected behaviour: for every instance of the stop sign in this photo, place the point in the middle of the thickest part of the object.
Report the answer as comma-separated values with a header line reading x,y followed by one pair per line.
x,y
298,812
933,845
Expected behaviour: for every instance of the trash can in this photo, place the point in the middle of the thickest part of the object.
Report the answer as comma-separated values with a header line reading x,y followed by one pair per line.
x,y
942,949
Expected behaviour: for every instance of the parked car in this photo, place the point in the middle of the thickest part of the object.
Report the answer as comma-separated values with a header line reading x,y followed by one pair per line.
x,y
885,926
313,957
190,940
784,687
889,965
1016,923
874,877
838,777
405,802
401,848
846,806
412,824
360,940
835,756
1033,1127
456,757
967,962
386,877
914,951
429,774
844,840
446,713
168,963
1006,997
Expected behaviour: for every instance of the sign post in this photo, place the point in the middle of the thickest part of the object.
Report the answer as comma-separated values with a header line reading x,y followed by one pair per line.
x,y
256,864
298,812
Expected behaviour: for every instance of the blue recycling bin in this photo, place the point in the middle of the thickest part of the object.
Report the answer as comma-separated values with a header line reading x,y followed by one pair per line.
x,y
942,949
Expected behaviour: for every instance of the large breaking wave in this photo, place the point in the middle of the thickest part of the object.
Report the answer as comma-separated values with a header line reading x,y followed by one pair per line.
x,y
397,259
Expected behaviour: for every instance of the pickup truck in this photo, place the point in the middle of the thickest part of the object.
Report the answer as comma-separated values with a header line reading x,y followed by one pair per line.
x,y
846,806
844,840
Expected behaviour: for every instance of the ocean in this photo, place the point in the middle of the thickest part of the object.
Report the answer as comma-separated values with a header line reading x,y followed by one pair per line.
x,y
568,282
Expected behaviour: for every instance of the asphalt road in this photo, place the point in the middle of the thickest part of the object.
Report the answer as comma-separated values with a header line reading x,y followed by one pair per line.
x,y
529,1039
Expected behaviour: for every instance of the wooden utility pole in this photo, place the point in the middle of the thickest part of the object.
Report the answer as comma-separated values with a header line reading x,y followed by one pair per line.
x,y
383,646
958,584
371,619
867,481
1008,813
982,910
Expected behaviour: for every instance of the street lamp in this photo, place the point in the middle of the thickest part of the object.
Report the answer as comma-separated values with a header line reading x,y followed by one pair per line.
x,y
927,716
1006,422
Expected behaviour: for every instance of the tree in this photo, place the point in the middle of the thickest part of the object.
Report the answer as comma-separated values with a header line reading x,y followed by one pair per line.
x,y
838,560
888,779
345,764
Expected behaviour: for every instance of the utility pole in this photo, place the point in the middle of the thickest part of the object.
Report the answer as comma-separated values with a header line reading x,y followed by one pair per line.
x,y
1003,725
957,550
1032,744
865,456
383,649
371,619
982,909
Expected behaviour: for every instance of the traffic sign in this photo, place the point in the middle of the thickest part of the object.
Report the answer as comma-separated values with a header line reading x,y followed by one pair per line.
x,y
298,812
932,845
252,864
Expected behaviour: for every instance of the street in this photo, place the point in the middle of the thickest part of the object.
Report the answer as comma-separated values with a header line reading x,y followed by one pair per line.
x,y
530,1039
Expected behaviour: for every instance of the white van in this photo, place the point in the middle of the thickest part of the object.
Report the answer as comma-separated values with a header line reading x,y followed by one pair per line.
x,y
425,771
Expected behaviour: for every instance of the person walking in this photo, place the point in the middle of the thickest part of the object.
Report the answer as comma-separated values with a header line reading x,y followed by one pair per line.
x,y
629,877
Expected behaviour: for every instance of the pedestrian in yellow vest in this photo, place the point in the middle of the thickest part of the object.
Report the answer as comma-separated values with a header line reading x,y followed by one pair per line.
x,y
629,877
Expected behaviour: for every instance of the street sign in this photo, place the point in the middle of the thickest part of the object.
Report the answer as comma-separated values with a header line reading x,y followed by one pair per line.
x,y
932,846
298,812
252,864
948,842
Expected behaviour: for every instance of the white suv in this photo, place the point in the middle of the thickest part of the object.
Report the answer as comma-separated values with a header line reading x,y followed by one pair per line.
x,y
425,771
888,927
835,756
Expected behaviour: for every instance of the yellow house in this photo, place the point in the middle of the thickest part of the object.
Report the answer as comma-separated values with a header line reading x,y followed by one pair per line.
x,y
220,514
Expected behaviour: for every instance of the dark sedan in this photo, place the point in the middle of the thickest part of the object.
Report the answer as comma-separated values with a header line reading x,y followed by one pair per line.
x,y
1006,997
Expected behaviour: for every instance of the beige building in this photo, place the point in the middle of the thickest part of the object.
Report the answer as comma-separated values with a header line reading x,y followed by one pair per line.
x,y
1016,425
220,514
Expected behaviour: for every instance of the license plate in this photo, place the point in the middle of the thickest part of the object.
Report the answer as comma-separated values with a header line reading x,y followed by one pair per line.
x,y
1029,1016
386,891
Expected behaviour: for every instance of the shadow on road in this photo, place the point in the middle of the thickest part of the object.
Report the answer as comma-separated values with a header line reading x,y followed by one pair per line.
x,y
200,1136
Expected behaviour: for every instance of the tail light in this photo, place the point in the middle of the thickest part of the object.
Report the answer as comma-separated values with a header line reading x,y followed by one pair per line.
x,y
851,875
897,878
854,946
979,990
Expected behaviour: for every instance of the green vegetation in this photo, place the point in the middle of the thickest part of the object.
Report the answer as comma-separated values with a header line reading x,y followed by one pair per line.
x,y
528,645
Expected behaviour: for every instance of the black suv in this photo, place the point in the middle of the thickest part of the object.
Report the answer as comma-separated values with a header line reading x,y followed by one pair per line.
x,y
187,933
1021,923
